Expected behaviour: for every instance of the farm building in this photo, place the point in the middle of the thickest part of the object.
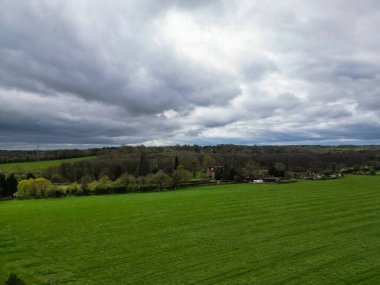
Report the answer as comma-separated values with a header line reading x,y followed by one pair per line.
x,y
271,179
214,171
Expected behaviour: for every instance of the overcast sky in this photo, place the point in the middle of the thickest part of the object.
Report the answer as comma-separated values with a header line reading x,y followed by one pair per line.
x,y
84,73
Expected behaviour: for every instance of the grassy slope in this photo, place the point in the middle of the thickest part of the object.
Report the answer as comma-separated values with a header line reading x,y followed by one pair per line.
x,y
325,232
38,166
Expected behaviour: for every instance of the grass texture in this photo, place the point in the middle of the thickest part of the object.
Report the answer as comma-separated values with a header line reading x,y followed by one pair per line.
x,y
324,232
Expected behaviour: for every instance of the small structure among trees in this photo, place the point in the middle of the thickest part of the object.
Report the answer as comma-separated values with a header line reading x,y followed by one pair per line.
x,y
271,179
215,172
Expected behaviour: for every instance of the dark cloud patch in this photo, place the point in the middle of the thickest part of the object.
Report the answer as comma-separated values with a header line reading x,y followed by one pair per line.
x,y
363,132
114,61
142,71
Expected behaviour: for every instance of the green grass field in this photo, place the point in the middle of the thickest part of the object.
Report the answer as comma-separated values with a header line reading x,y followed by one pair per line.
x,y
311,232
38,166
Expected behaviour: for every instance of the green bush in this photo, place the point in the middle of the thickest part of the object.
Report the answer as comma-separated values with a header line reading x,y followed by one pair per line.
x,y
180,176
35,188
56,178
14,280
74,189
104,186
121,184
56,193
101,189
90,187
133,187
147,187
162,180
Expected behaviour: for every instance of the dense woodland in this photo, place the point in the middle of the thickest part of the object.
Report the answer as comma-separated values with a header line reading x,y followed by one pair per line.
x,y
140,168
236,160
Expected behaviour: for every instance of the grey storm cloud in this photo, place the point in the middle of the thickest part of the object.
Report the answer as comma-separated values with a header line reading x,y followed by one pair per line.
x,y
75,73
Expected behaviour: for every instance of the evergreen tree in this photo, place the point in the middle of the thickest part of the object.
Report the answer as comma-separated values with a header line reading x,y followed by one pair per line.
x,y
176,163
144,167
11,187
30,175
3,184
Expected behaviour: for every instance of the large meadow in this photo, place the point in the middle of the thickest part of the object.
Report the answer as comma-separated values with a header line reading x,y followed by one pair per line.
x,y
310,232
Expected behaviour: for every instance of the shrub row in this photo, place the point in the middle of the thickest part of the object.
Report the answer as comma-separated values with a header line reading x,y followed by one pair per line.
x,y
43,188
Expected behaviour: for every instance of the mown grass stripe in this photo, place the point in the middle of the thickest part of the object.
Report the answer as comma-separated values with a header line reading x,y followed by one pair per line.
x,y
304,233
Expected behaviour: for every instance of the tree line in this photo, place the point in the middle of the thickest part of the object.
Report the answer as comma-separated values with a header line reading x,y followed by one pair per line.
x,y
10,156
140,169
237,162
43,188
